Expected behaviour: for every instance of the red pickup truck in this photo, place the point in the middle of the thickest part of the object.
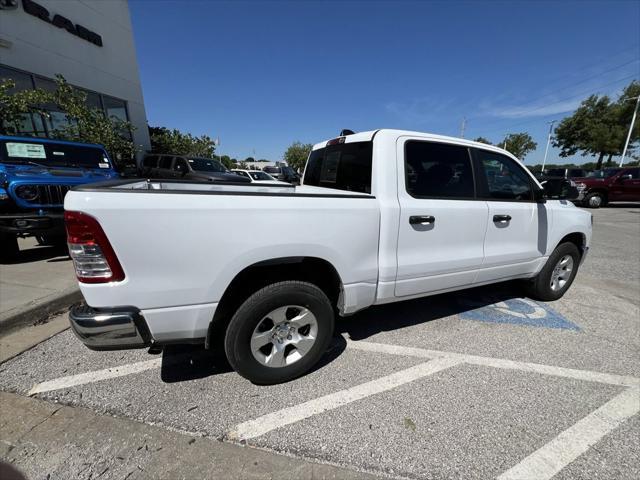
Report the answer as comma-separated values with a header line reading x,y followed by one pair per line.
x,y
609,185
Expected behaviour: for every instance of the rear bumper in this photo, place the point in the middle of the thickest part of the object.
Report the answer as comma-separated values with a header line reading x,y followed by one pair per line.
x,y
110,329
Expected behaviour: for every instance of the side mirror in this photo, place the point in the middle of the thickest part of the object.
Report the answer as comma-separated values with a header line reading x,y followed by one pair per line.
x,y
539,195
561,189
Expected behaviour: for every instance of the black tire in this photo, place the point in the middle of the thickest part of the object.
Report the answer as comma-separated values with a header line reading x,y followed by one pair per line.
x,y
595,200
539,288
51,240
252,313
8,247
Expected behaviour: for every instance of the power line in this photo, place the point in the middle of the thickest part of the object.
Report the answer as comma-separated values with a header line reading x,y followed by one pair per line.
x,y
567,98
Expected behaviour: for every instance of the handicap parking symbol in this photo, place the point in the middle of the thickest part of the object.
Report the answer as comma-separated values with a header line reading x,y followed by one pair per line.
x,y
519,311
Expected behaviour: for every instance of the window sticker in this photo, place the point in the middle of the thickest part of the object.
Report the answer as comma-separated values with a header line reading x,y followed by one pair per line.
x,y
329,172
26,150
103,165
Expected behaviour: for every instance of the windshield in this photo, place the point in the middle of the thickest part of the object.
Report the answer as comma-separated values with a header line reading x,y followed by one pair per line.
x,y
206,165
53,155
604,173
261,176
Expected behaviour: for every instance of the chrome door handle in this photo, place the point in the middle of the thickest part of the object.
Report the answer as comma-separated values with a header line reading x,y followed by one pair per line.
x,y
422,219
501,218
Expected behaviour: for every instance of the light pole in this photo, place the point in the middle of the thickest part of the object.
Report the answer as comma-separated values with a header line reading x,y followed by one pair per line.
x,y
546,150
633,121
462,127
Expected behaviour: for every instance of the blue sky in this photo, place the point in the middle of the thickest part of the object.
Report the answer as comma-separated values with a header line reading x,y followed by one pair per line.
x,y
261,75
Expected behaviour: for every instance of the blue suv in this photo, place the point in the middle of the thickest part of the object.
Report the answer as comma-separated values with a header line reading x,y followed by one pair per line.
x,y
35,175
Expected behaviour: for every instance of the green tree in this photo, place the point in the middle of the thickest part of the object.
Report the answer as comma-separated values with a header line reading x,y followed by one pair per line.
x,y
83,123
296,155
597,127
226,161
519,144
482,140
249,160
164,140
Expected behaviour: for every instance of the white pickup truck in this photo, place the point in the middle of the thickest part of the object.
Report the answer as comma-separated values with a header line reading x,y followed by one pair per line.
x,y
261,271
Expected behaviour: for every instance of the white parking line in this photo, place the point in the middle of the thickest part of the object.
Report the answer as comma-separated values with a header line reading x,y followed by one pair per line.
x,y
95,376
586,375
271,421
545,462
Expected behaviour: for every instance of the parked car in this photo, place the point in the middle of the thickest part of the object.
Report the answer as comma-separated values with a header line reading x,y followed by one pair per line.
x,y
565,173
35,175
264,271
609,185
258,176
283,173
187,168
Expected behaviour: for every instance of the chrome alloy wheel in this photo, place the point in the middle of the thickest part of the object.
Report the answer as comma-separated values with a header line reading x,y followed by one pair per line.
x,y
284,336
561,273
595,201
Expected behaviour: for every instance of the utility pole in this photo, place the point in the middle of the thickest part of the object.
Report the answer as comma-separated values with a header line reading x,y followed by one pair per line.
x,y
504,144
546,150
633,121
464,124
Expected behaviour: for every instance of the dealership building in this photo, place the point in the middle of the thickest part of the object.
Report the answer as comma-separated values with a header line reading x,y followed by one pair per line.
x,y
90,43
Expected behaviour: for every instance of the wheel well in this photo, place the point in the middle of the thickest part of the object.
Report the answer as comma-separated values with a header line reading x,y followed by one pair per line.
x,y
308,269
597,190
578,239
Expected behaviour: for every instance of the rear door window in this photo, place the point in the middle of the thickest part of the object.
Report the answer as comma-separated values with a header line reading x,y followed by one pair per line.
x,y
345,166
150,162
165,162
438,170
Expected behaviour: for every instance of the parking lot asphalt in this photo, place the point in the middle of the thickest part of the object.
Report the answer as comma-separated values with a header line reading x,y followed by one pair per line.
x,y
476,384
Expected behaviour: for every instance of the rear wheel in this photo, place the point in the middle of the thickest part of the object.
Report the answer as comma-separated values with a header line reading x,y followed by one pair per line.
x,y
8,247
595,200
557,275
279,332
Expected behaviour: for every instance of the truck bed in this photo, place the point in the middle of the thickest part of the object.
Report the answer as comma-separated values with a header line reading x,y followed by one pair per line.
x,y
182,243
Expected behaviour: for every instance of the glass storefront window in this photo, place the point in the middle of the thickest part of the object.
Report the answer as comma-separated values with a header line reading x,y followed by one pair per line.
x,y
115,108
37,125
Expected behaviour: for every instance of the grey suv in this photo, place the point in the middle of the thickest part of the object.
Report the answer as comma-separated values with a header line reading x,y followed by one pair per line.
x,y
183,167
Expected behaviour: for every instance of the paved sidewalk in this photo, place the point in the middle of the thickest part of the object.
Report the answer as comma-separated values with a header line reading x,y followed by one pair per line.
x,y
45,440
39,283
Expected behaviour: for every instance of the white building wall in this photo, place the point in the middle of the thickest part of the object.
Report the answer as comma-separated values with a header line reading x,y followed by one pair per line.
x,y
31,44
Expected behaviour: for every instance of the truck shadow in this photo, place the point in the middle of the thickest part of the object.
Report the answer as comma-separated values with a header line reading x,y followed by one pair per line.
x,y
181,363
393,316
55,253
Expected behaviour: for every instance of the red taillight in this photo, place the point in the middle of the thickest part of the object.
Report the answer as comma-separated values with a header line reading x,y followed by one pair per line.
x,y
89,248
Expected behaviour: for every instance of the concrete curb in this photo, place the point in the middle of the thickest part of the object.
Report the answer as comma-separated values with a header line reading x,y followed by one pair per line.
x,y
38,310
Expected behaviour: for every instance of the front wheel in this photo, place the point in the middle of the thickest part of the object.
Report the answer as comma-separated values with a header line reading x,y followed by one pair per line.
x,y
557,275
8,247
595,200
280,332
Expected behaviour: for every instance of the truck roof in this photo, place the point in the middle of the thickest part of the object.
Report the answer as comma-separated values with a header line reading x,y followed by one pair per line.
x,y
368,136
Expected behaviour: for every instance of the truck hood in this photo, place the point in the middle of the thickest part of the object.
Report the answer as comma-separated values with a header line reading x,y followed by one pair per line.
x,y
590,180
66,175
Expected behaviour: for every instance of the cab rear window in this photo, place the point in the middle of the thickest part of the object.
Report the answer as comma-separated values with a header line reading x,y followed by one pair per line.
x,y
52,154
345,166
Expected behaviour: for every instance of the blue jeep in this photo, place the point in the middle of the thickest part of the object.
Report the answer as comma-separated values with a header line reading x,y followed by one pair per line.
x,y
35,175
